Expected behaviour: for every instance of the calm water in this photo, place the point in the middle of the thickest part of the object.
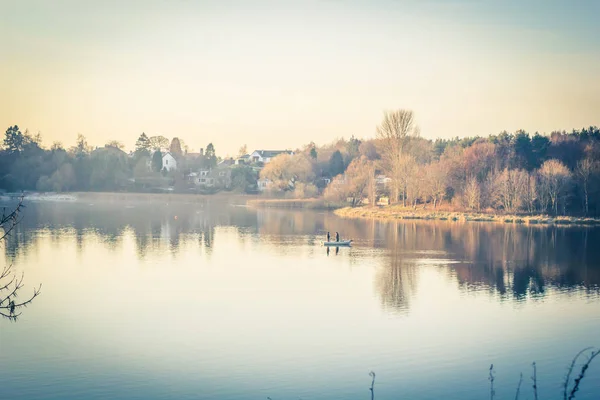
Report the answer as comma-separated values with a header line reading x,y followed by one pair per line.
x,y
217,301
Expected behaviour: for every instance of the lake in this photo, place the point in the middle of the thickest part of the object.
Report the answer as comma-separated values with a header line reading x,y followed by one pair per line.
x,y
209,299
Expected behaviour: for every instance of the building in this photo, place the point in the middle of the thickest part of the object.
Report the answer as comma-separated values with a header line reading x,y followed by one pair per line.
x,y
243,160
169,163
265,156
264,184
217,178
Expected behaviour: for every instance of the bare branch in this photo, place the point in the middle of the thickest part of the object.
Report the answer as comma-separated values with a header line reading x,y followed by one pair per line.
x,y
519,386
584,368
568,378
534,379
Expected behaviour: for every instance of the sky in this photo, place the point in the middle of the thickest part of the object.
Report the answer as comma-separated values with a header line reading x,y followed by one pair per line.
x,y
279,74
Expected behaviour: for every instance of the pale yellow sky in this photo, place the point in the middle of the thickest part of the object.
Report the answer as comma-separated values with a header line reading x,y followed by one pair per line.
x,y
280,74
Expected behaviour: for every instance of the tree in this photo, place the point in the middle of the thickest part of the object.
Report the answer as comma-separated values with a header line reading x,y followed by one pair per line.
x,y
142,145
157,161
158,142
175,147
313,153
393,132
512,187
243,151
81,146
555,179
210,156
472,194
10,283
14,140
356,183
56,146
336,163
369,150
585,169
116,144
243,179
352,149
435,181
285,170
184,147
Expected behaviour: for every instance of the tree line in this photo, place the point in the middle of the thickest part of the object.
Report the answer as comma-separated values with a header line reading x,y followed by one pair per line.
x,y
25,164
515,172
518,172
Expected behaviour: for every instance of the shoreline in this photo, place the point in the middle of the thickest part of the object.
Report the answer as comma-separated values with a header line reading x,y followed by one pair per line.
x,y
237,198
395,213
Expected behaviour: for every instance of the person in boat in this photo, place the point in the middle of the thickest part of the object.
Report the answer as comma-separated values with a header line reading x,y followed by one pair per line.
x,y
328,236
337,237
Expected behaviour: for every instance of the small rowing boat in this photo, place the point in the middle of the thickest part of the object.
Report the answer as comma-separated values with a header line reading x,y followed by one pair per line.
x,y
340,243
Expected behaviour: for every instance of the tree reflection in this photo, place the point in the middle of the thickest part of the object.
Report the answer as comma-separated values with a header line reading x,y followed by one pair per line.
x,y
396,283
509,260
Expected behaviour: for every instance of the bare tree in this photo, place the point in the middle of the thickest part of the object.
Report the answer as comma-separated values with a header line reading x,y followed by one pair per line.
x,y
394,131
436,181
472,194
511,189
531,193
355,184
584,171
10,283
555,179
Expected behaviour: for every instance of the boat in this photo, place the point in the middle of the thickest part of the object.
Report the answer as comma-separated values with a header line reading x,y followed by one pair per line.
x,y
336,244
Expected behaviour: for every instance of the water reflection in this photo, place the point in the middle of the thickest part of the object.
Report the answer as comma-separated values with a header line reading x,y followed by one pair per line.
x,y
509,261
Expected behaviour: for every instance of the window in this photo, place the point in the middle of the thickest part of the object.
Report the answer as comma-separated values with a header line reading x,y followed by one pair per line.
x,y
222,173
201,180
166,162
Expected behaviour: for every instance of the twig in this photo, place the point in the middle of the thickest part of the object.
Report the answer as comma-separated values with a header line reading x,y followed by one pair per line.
x,y
372,375
534,379
491,379
519,386
582,374
568,378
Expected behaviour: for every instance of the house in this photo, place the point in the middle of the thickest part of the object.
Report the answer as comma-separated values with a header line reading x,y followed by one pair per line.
x,y
265,156
382,181
218,178
228,162
169,163
243,160
264,184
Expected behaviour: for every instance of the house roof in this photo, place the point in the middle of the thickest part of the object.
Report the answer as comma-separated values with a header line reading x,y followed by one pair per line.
x,y
227,161
271,153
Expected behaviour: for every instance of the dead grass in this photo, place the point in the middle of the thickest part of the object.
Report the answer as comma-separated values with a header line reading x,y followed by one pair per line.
x,y
405,213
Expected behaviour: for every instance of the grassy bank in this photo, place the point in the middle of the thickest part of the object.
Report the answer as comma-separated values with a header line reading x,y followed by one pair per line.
x,y
308,204
405,213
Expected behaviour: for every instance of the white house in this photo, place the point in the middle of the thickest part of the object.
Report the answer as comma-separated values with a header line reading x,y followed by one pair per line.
x,y
168,162
264,156
264,184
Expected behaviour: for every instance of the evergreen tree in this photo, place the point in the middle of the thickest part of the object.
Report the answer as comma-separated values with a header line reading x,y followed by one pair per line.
x,y
157,161
142,145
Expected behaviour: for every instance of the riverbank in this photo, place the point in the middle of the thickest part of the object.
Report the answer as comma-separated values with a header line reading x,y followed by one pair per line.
x,y
231,197
392,213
